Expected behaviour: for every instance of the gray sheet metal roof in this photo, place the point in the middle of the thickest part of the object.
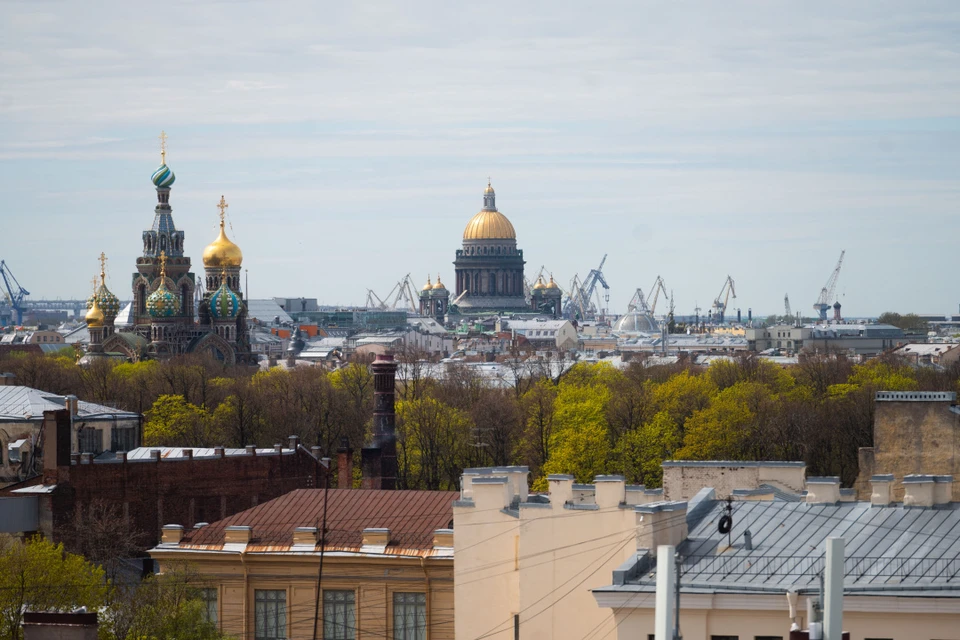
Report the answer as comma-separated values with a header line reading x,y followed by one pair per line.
x,y
266,310
893,550
16,403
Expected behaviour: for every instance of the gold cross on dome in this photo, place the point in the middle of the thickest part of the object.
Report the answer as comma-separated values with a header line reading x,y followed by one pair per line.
x,y
222,205
103,266
94,283
163,264
163,147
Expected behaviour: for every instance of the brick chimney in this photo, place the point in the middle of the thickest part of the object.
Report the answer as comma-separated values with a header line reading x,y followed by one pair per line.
x,y
344,465
380,459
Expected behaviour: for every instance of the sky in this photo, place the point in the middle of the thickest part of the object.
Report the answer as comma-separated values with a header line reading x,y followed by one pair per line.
x,y
690,140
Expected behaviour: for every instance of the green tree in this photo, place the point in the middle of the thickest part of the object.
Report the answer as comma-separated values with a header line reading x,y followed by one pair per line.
x,y
174,422
727,428
580,442
40,575
639,453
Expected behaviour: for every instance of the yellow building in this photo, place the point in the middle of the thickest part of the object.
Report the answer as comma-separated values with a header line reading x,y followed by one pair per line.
x,y
387,565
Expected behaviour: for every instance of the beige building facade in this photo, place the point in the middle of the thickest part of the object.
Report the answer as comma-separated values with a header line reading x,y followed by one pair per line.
x,y
387,566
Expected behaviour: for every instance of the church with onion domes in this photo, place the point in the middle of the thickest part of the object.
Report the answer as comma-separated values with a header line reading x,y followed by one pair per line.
x,y
165,321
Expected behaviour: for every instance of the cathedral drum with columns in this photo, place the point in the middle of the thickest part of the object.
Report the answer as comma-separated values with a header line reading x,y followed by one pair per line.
x,y
489,267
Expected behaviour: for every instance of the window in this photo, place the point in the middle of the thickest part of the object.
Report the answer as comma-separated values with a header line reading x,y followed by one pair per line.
x,y
209,598
90,440
123,439
339,615
270,615
409,616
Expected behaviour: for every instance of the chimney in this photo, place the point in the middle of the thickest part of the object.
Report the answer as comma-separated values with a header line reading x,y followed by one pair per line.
x,y
376,537
278,448
561,489
344,464
491,492
8,379
172,533
661,523
918,490
293,442
237,534
443,539
942,490
71,404
86,458
251,449
188,454
610,491
823,490
57,430
881,495
155,455
380,459
122,456
219,452
305,537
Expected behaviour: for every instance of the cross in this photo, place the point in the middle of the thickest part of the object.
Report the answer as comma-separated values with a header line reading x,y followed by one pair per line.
x,y
163,264
222,205
163,147
94,283
103,265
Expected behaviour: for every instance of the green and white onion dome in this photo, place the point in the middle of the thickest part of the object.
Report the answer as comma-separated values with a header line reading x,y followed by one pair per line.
x,y
162,303
163,177
109,304
224,303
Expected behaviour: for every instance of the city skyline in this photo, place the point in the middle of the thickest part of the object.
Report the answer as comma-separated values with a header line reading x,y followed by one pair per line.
x,y
692,142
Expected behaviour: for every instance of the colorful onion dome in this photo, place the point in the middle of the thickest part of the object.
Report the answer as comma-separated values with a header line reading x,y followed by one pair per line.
x,y
94,316
163,303
224,303
222,252
439,286
428,286
163,177
552,284
109,304
540,284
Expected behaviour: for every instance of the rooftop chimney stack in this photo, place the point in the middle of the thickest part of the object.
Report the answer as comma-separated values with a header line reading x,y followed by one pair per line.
x,y
380,459
344,464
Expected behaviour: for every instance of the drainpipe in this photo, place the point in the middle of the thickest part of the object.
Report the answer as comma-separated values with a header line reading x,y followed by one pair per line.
x,y
243,561
426,579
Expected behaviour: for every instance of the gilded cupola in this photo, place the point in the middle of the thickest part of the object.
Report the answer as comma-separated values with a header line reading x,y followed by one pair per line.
x,y
222,252
489,224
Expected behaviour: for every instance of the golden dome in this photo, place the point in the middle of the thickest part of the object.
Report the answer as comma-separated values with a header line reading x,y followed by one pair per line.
x,y
94,316
552,284
489,188
439,284
489,225
540,285
222,253
427,286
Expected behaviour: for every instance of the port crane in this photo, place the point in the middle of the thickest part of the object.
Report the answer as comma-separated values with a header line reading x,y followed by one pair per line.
x,y
13,291
720,304
658,287
401,294
822,305
580,301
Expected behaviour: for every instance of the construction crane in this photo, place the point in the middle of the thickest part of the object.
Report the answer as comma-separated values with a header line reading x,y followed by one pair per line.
x,y
822,305
658,286
720,304
638,303
401,294
13,292
786,306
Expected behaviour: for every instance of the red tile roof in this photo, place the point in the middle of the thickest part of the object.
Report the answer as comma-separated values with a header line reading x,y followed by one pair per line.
x,y
411,516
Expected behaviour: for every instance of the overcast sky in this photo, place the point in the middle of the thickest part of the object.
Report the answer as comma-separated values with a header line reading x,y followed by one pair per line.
x,y
353,142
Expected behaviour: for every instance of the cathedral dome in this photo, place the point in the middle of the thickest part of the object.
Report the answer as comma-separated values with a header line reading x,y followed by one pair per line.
x,y
489,224
224,303
222,252
109,304
94,316
162,303
439,286
539,285
552,284
163,177
428,286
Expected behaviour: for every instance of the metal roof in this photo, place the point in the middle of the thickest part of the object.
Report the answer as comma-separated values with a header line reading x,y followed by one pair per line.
x,y
266,310
24,404
411,517
893,549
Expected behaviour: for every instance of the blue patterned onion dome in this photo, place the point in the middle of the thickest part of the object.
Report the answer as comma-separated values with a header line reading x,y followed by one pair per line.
x,y
108,303
162,303
163,177
224,303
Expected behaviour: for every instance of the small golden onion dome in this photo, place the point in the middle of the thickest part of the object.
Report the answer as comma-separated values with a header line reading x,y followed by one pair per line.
x,y
489,188
489,225
427,286
94,316
552,284
221,252
439,284
540,285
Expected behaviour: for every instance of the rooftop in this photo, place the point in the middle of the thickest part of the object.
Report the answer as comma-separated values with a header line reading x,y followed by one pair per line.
x,y
19,404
